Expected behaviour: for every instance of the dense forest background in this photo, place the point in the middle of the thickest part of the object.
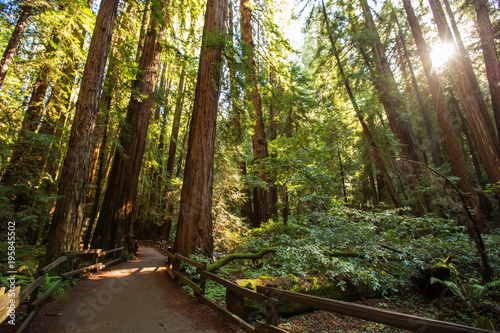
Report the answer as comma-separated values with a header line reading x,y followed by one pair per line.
x,y
199,123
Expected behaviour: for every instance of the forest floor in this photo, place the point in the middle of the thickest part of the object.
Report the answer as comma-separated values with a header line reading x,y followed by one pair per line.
x,y
138,296
133,296
327,322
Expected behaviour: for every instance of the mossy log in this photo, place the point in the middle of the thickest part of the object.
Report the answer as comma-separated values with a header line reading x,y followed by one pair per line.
x,y
224,261
340,254
441,271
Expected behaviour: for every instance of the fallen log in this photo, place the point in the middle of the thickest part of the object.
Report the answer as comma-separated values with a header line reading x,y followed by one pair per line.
x,y
224,261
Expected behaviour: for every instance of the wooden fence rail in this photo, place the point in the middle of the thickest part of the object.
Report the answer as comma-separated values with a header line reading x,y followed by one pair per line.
x,y
271,297
400,320
234,294
32,289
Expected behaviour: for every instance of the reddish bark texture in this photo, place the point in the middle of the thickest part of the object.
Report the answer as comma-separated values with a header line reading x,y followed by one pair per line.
x,y
262,196
65,230
476,113
455,153
194,227
115,224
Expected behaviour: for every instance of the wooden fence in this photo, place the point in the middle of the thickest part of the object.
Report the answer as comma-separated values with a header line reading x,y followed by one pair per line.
x,y
32,290
271,297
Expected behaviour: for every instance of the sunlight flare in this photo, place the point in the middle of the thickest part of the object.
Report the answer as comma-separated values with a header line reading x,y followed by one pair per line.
x,y
441,53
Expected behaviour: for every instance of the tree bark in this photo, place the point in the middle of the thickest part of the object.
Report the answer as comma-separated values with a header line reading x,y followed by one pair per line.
x,y
491,62
64,233
194,226
478,119
262,196
115,224
389,94
142,32
176,125
476,226
273,135
436,150
14,40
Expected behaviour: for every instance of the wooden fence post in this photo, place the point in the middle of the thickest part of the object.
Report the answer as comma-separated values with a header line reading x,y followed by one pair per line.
x,y
203,280
34,294
235,303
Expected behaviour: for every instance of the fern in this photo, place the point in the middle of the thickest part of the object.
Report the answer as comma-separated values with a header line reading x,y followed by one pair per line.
x,y
493,285
451,286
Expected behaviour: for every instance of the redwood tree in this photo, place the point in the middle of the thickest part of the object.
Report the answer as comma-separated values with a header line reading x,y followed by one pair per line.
x,y
65,229
194,227
491,62
452,144
476,113
261,195
389,94
115,224
14,41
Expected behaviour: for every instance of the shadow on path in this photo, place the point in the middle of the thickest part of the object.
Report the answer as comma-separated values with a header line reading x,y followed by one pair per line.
x,y
133,296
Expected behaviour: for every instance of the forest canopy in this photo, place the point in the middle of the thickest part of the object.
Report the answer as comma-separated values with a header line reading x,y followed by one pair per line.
x,y
223,126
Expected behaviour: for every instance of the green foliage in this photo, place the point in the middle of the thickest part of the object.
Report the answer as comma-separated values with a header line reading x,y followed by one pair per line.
x,y
305,247
473,294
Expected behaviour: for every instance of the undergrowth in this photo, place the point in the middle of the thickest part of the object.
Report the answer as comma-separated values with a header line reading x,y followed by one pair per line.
x,y
307,247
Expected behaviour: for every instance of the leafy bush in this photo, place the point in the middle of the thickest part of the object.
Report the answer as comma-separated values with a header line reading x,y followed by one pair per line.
x,y
308,247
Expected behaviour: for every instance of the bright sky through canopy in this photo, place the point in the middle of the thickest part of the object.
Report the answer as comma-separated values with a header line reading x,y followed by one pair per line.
x,y
291,27
441,53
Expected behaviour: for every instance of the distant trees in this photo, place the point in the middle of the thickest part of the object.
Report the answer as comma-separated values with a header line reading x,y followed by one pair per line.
x,y
8,54
262,195
159,136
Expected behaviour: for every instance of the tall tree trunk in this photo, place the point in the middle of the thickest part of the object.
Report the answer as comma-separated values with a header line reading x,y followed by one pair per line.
x,y
161,102
194,226
14,41
262,196
177,122
468,138
491,62
468,69
64,233
115,224
142,32
163,232
237,118
436,150
97,168
389,94
374,151
99,182
478,119
476,225
273,133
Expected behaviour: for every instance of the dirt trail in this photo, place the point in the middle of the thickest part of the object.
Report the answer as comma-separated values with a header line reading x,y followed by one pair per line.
x,y
133,296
